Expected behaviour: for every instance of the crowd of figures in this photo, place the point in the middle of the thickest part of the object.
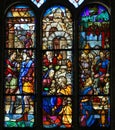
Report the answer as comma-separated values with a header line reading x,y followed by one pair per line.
x,y
94,71
19,85
57,68
94,85
19,88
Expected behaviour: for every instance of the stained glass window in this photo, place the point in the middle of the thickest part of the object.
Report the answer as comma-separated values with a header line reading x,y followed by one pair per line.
x,y
19,67
57,67
94,64
56,62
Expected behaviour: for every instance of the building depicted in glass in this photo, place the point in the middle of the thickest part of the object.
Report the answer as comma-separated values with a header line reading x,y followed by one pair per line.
x,y
56,64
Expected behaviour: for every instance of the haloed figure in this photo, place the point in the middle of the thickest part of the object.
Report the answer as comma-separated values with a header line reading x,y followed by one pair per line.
x,y
26,82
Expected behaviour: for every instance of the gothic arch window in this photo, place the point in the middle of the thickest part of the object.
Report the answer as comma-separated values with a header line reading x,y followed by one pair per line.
x,y
19,80
56,62
57,67
94,63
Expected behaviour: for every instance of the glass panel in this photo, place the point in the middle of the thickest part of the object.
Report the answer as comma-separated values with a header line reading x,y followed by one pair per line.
x,y
95,111
19,78
76,3
57,112
19,71
94,27
94,72
14,106
94,64
57,67
57,28
38,3
57,73
20,28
